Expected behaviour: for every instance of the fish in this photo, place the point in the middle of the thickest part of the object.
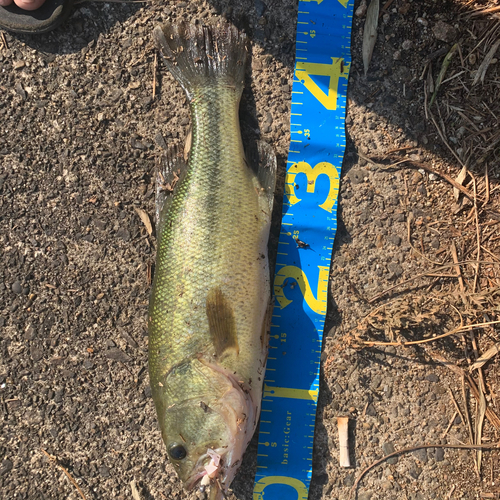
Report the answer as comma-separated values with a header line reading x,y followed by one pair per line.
x,y
209,311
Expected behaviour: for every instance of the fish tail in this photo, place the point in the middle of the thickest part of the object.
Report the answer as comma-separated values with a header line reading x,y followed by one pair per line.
x,y
198,55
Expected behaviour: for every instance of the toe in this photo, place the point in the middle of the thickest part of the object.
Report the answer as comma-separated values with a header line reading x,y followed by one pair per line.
x,y
29,4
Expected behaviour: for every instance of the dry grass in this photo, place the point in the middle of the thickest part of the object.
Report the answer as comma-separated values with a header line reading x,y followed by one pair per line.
x,y
455,304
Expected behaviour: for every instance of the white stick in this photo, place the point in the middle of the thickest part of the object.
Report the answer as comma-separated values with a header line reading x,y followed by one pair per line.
x,y
343,426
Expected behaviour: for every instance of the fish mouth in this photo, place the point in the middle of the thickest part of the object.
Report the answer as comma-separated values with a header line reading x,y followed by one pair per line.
x,y
196,478
217,490
202,470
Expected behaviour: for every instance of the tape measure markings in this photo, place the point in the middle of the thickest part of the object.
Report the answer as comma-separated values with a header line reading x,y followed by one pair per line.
x,y
291,383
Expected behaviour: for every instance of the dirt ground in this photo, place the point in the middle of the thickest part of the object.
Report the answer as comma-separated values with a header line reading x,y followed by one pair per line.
x,y
85,115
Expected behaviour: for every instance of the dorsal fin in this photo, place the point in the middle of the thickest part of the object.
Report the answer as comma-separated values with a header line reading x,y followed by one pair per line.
x,y
262,160
221,322
168,175
267,168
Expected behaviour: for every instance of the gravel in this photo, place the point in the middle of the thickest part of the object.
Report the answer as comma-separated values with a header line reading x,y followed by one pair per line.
x,y
82,133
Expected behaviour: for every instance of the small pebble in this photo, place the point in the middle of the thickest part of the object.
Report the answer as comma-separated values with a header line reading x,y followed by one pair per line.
x,y
17,287
356,176
416,178
365,495
361,10
444,32
123,234
421,190
36,353
104,471
395,268
394,239
349,479
386,485
439,454
388,448
370,410
88,364
6,467
421,455
415,471
30,333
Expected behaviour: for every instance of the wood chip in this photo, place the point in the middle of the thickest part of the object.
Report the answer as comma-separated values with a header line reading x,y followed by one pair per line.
x,y
145,219
481,72
135,492
460,180
370,33
343,426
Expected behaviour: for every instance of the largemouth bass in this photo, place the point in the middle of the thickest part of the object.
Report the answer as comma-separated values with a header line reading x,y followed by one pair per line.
x,y
211,289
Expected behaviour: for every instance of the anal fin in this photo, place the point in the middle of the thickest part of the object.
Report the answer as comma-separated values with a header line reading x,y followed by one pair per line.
x,y
221,322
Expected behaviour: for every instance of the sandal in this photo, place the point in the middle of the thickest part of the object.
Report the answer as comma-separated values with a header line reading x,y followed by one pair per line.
x,y
50,15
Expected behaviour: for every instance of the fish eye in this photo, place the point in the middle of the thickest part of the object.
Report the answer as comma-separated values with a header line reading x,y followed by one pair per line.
x,y
177,451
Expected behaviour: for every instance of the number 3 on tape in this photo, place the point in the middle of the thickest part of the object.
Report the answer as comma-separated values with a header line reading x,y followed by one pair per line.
x,y
312,174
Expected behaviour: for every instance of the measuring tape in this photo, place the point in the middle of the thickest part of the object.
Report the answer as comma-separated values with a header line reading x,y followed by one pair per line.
x,y
291,384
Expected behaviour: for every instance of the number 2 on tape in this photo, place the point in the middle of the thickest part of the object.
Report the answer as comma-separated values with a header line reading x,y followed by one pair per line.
x,y
318,303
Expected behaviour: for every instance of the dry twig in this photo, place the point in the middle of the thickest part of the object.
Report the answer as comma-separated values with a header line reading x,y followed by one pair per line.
x,y
420,447
428,273
68,475
155,69
490,414
459,329
484,358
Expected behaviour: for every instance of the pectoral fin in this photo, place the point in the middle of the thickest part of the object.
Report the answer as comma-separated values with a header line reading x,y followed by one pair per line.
x,y
221,322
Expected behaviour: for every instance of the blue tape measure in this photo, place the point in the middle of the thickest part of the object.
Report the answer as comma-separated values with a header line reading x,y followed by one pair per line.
x,y
291,384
